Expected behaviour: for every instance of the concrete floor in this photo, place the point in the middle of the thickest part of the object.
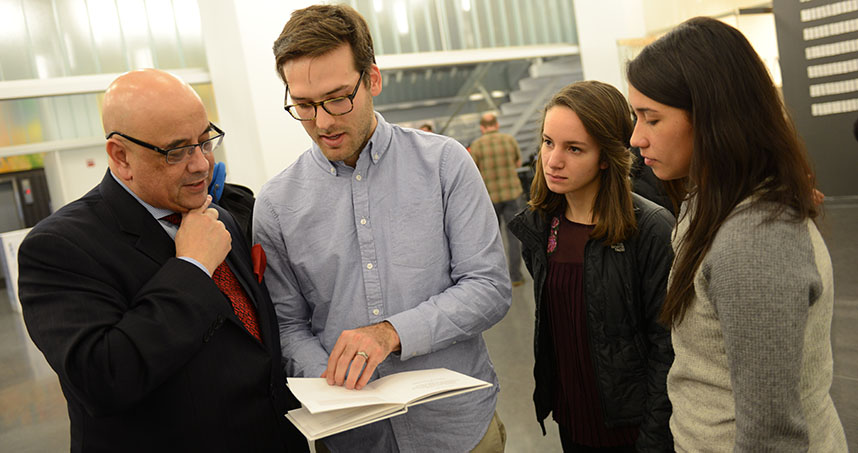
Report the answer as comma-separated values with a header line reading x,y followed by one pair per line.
x,y
33,415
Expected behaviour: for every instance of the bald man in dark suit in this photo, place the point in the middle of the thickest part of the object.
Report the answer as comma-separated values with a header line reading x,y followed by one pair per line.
x,y
143,298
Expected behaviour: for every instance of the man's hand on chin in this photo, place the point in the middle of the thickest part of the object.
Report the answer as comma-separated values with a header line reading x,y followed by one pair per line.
x,y
203,237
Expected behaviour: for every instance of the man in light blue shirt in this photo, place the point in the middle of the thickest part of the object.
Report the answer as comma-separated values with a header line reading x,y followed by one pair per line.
x,y
383,247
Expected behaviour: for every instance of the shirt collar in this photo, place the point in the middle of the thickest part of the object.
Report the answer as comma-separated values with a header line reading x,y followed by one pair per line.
x,y
376,147
157,213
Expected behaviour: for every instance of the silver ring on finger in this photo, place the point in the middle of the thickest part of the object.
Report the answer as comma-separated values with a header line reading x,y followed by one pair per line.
x,y
362,354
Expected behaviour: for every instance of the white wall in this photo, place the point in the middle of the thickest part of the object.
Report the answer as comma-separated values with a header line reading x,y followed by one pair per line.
x,y
262,138
600,24
71,173
662,15
9,243
635,22
762,34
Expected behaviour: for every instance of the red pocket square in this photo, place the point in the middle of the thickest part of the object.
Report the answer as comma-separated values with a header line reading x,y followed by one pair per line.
x,y
257,255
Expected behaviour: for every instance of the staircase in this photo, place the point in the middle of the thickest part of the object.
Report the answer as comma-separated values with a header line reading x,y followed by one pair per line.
x,y
521,117
407,101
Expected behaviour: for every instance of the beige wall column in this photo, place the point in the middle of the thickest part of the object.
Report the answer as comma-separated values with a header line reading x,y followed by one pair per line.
x,y
261,138
600,25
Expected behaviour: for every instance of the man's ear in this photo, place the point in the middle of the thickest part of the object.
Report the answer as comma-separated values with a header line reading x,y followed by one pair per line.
x,y
374,80
119,159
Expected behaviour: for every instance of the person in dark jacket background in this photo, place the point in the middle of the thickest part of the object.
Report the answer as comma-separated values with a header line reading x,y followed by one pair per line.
x,y
600,258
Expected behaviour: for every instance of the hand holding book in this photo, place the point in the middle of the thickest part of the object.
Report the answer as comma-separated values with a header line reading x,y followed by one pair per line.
x,y
358,352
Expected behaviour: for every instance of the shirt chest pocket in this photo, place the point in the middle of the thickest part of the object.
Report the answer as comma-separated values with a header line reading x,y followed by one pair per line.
x,y
416,233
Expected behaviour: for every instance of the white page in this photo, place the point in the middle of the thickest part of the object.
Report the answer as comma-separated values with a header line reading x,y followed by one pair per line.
x,y
400,388
316,426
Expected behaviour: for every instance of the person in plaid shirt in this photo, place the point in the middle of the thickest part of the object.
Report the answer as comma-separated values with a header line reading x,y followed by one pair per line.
x,y
497,155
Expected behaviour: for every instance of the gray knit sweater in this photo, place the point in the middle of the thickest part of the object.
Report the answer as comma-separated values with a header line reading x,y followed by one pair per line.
x,y
753,363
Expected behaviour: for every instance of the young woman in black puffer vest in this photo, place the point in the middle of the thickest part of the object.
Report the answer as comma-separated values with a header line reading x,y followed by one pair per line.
x,y
600,257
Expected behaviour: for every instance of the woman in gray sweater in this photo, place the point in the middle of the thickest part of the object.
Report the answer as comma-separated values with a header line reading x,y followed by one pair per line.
x,y
751,291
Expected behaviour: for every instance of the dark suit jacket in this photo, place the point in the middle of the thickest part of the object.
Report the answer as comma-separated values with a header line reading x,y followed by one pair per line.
x,y
149,353
239,200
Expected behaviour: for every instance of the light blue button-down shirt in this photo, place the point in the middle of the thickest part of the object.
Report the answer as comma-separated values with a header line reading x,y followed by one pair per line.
x,y
409,236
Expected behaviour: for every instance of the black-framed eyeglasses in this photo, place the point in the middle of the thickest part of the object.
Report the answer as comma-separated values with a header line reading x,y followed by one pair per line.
x,y
335,106
181,153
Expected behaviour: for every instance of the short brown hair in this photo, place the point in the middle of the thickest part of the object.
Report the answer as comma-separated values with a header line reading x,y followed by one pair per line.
x,y
319,29
607,117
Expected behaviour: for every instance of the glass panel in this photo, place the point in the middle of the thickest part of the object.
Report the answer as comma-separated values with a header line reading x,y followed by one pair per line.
x,y
162,26
403,31
438,25
5,123
87,113
68,117
62,123
106,35
428,24
73,25
530,35
44,41
516,20
495,22
368,12
412,12
135,30
542,22
570,24
470,27
387,25
187,15
459,25
24,121
14,44
552,21
56,38
501,26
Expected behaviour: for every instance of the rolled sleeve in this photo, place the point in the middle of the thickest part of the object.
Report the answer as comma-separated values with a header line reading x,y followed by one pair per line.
x,y
482,293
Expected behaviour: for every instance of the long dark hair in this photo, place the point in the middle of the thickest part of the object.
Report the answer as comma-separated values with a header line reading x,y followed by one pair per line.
x,y
744,140
607,117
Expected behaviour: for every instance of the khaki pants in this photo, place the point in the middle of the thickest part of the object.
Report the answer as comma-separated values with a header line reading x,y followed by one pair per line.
x,y
493,441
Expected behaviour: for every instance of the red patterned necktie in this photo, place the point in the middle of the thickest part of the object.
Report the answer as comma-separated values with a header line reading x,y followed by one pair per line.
x,y
229,285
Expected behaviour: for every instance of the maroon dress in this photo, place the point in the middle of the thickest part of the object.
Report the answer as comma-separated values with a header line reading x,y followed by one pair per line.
x,y
577,407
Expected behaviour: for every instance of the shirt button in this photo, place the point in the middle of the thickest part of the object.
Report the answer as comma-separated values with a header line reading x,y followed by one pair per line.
x,y
333,171
375,156
358,177
363,221
369,265
375,312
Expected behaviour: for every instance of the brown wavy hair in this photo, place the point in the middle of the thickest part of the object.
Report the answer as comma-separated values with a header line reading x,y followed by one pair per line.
x,y
744,140
319,29
607,117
